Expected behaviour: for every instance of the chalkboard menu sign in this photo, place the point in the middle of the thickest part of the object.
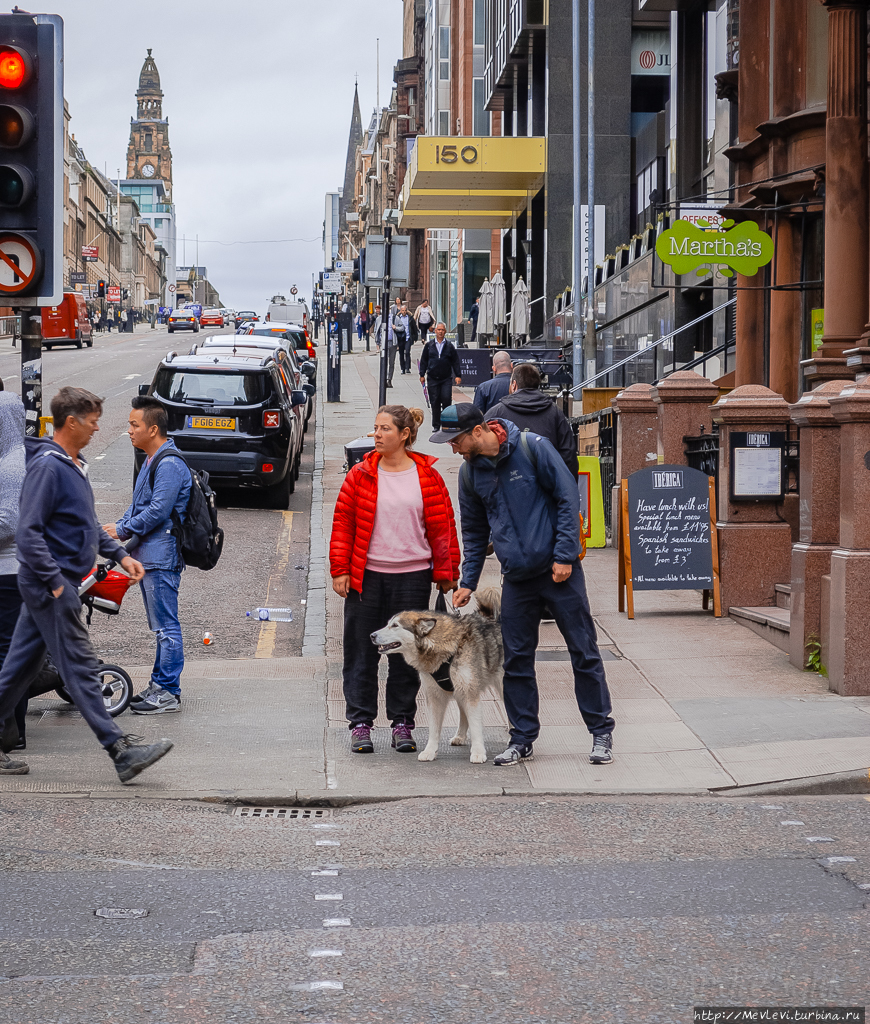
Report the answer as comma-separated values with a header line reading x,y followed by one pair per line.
x,y
668,533
475,365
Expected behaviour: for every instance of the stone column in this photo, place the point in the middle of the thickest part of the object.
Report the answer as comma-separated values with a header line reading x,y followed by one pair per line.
x,y
754,541
846,648
819,513
785,314
636,429
684,400
847,256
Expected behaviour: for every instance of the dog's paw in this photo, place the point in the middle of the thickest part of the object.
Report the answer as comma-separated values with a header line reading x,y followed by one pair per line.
x,y
427,755
458,740
478,757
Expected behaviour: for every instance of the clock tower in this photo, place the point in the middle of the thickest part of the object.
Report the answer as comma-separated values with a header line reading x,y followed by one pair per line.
x,y
148,154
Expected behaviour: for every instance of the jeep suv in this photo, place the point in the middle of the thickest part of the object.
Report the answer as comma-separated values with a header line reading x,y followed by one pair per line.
x,y
234,416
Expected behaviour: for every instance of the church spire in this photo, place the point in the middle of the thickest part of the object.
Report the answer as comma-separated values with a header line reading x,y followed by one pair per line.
x,y
148,153
354,139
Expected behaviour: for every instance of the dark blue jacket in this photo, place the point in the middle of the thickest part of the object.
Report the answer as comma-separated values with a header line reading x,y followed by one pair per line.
x,y
58,530
491,392
531,508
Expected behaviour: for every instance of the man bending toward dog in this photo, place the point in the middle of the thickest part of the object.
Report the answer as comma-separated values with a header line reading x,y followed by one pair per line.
x,y
516,487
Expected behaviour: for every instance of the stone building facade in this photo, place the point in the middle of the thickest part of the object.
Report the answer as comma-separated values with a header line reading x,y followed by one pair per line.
x,y
148,154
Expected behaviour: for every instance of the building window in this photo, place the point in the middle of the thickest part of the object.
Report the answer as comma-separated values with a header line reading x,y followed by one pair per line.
x,y
479,22
149,142
443,122
444,53
480,121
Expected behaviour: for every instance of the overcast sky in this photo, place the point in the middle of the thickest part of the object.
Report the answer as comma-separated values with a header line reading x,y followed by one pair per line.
x,y
259,95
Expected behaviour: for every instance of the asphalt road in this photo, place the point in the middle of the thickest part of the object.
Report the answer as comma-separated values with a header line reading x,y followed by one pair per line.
x,y
265,558
551,911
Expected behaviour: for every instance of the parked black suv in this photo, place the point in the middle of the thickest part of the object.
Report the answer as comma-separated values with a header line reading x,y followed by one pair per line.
x,y
234,416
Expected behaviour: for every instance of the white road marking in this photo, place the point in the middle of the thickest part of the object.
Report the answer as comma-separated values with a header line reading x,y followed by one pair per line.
x,y
325,952
319,986
771,807
329,896
791,823
327,842
318,873
818,839
336,922
321,824
840,860
132,376
864,885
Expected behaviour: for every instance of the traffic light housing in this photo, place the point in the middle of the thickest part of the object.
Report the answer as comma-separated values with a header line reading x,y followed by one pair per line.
x,y
101,289
355,273
31,159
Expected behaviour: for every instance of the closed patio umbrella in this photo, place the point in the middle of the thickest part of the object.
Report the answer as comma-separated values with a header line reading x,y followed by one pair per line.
x,y
484,317
499,312
520,310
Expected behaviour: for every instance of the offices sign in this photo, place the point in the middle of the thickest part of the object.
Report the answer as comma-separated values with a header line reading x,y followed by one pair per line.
x,y
687,246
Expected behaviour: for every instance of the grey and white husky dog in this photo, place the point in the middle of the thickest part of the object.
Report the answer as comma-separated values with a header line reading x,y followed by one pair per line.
x,y
458,658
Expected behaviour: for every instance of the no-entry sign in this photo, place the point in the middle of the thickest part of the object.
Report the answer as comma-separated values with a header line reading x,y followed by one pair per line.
x,y
19,263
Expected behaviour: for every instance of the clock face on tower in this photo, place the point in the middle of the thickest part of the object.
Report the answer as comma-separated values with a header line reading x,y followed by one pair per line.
x,y
147,170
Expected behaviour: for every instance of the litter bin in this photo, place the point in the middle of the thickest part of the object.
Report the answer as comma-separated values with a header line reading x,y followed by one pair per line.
x,y
355,451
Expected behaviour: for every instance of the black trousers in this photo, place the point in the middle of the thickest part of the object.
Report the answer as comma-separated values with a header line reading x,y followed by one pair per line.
x,y
55,624
405,354
521,605
440,396
10,606
383,595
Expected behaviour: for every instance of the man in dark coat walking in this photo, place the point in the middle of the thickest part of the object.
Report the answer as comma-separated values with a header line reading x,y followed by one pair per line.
x,y
530,409
439,370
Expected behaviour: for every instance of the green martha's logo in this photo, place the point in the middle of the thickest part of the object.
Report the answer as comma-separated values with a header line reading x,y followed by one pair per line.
x,y
743,248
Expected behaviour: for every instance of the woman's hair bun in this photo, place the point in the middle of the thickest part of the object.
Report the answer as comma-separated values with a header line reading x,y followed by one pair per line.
x,y
417,415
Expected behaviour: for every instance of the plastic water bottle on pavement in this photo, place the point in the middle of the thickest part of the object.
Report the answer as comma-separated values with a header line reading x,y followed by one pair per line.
x,y
271,614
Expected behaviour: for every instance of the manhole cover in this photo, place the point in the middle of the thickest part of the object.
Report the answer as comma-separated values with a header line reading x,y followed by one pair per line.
x,y
120,913
295,813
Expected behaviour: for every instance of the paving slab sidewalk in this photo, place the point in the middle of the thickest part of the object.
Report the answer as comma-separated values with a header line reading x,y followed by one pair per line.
x,y
701,704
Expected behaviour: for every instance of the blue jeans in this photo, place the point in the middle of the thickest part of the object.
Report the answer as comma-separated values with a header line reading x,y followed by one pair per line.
x,y
160,594
522,603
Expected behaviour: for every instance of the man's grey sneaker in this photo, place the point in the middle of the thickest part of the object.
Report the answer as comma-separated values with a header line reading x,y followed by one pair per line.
x,y
132,757
403,739
602,749
515,753
10,767
361,740
152,687
160,703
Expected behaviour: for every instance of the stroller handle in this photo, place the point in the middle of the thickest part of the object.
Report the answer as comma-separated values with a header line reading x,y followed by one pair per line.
x,y
101,570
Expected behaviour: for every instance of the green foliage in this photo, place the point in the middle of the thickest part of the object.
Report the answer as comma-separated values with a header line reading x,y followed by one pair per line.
x,y
814,656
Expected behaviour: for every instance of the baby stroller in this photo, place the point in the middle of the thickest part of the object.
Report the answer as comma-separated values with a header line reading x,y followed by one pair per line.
x,y
102,590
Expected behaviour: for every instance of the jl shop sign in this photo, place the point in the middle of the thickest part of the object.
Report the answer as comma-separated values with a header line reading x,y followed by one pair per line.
x,y
743,248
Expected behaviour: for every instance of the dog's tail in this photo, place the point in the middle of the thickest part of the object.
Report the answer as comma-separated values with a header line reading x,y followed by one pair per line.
x,y
489,602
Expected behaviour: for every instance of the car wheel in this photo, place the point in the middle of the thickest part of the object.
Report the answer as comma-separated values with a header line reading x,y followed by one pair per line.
x,y
279,495
46,347
90,342
297,465
78,342
170,330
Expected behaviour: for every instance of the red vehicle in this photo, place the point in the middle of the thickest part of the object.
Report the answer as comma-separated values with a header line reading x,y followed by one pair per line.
x,y
211,318
67,324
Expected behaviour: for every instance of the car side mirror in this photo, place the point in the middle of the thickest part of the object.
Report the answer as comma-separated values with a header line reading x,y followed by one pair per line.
x,y
298,398
143,389
308,368
309,389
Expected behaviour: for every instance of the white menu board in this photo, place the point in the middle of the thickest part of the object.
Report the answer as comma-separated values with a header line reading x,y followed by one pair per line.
x,y
757,472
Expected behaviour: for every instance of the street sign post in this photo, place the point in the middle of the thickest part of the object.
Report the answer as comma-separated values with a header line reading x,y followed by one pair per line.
x,y
344,266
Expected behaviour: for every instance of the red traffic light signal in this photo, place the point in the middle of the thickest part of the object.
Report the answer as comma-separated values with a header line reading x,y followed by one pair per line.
x,y
101,289
15,67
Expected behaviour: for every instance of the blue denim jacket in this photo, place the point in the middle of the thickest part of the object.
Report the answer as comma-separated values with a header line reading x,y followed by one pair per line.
x,y
150,514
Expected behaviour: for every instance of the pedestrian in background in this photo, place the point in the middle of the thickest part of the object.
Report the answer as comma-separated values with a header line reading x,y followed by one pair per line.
x,y
530,409
473,314
378,328
425,318
12,464
491,392
515,487
393,535
439,370
58,541
160,498
405,333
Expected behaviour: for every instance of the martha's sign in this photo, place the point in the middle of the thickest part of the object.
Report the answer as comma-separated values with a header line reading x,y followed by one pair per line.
x,y
742,247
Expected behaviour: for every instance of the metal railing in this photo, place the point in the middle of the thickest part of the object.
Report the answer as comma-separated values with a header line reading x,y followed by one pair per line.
x,y
10,326
653,348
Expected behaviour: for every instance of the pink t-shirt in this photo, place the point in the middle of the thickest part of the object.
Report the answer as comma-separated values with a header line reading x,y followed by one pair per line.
x,y
399,541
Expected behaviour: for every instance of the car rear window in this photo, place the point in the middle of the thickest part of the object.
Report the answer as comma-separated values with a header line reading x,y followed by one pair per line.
x,y
217,388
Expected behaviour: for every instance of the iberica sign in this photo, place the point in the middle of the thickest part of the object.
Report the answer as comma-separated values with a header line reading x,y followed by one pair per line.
x,y
743,247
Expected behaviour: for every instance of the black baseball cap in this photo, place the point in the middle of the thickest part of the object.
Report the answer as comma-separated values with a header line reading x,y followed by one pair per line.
x,y
456,420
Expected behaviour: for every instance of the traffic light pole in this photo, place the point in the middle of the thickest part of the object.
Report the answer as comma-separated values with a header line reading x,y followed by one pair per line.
x,y
31,368
385,315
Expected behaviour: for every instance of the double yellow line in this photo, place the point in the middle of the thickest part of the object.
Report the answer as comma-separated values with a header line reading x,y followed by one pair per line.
x,y
266,641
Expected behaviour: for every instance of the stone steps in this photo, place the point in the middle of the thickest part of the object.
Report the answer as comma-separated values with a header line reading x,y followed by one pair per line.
x,y
783,595
772,623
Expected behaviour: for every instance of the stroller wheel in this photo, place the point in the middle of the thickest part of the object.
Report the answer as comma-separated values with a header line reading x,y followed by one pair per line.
x,y
117,689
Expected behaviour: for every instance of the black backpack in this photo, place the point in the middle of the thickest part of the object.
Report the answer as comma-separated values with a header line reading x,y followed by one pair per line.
x,y
200,540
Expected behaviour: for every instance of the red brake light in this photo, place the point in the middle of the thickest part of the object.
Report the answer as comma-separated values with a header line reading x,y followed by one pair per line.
x,y
271,418
14,68
268,467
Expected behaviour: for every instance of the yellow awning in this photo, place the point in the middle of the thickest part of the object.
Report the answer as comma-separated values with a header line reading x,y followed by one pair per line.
x,y
463,182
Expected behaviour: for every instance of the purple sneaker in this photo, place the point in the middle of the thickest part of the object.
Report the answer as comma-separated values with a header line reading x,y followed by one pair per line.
x,y
403,739
361,740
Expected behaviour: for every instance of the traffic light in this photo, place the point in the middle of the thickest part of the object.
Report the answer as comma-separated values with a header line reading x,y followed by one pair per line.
x,y
31,159
355,273
125,294
101,289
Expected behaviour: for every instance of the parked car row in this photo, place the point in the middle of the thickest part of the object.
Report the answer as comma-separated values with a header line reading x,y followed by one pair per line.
x,y
238,409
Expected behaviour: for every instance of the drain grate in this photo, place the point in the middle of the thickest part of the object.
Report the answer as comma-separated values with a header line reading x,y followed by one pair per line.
x,y
294,813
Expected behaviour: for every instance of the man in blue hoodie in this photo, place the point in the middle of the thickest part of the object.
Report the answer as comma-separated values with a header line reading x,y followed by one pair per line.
x,y
159,499
58,541
515,488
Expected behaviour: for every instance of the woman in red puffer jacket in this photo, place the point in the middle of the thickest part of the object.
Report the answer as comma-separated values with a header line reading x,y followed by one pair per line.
x,y
393,536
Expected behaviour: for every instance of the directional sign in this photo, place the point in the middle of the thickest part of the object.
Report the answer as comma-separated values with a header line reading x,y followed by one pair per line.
x,y
344,266
19,263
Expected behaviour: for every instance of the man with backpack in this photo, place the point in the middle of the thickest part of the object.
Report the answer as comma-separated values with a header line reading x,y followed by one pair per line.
x,y
514,487
160,500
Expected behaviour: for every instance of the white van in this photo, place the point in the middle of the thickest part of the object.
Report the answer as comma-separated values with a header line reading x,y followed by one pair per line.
x,y
294,311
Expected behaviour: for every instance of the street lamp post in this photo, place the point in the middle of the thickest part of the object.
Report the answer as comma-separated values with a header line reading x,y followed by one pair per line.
x,y
385,313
